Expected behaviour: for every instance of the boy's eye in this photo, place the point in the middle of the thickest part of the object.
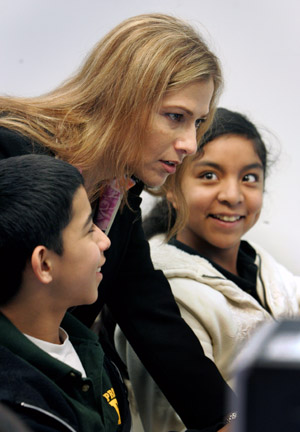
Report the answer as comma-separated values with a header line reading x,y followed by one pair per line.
x,y
92,229
250,178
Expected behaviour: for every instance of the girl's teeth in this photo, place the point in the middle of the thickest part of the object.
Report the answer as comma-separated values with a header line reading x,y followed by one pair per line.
x,y
169,163
228,218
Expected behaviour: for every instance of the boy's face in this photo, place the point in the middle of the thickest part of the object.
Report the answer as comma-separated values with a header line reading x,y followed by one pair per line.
x,y
77,272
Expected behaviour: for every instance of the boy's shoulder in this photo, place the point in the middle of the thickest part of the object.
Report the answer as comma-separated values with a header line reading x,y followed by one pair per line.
x,y
36,389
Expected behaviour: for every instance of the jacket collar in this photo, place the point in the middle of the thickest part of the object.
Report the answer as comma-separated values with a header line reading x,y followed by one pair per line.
x,y
20,345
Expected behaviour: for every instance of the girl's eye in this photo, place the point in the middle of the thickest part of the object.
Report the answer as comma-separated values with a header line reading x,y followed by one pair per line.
x,y
199,122
175,117
209,176
250,178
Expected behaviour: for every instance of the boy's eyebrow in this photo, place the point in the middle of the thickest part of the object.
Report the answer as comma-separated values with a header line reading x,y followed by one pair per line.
x,y
88,221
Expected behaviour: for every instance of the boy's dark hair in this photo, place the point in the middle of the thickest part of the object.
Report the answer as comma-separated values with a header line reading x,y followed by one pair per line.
x,y
36,197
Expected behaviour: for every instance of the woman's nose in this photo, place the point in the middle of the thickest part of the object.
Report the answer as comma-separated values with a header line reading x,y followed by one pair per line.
x,y
187,142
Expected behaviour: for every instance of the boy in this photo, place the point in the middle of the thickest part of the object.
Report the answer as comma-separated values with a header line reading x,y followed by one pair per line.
x,y
53,371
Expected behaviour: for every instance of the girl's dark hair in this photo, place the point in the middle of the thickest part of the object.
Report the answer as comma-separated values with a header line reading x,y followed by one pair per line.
x,y
161,219
228,122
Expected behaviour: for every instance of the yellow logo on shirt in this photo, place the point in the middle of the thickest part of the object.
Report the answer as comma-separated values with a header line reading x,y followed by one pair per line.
x,y
110,396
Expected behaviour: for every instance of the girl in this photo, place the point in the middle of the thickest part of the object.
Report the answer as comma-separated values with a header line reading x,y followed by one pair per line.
x,y
225,286
128,117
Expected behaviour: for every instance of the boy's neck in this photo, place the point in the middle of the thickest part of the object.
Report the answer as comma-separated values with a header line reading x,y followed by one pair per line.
x,y
43,326
62,336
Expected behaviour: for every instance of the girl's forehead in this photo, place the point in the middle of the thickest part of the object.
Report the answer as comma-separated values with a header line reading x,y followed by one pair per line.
x,y
238,147
226,140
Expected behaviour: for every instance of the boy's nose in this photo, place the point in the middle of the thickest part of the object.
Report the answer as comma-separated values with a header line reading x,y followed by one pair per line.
x,y
103,241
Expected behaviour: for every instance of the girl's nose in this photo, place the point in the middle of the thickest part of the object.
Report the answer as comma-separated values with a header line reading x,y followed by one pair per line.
x,y
231,193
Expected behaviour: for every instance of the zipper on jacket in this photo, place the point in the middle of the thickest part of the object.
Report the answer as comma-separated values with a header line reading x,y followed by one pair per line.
x,y
49,414
213,277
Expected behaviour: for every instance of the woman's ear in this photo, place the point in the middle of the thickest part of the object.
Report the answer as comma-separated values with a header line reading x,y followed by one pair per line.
x,y
41,264
171,198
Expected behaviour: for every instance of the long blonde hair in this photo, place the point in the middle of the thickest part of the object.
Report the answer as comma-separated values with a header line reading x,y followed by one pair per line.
x,y
98,119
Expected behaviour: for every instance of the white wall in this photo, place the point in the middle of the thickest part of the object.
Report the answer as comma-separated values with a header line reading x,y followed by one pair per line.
x,y
43,41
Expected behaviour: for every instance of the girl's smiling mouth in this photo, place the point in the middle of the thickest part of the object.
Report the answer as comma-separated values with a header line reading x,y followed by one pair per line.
x,y
226,218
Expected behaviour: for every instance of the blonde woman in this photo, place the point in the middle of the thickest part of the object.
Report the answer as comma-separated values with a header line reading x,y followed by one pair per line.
x,y
129,116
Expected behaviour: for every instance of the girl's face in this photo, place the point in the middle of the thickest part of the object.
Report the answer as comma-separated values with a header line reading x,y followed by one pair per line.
x,y
173,131
223,189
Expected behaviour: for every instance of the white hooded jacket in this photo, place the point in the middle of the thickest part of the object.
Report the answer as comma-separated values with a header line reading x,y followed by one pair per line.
x,y
221,314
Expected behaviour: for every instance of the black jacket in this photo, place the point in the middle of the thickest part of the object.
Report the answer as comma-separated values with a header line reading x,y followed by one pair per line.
x,y
141,302
51,396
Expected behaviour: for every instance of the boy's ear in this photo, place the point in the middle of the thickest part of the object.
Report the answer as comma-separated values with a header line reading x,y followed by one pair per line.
x,y
172,199
41,264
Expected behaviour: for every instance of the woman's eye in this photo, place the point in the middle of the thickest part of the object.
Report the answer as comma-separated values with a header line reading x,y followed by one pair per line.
x,y
250,178
175,117
199,122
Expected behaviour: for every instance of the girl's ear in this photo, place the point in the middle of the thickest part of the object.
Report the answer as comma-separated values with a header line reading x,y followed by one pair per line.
x,y
172,199
41,264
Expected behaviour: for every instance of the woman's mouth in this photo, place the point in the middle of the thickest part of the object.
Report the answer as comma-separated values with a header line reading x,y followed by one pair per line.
x,y
169,166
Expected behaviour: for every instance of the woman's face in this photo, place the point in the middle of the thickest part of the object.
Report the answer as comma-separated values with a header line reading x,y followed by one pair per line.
x,y
224,193
173,131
